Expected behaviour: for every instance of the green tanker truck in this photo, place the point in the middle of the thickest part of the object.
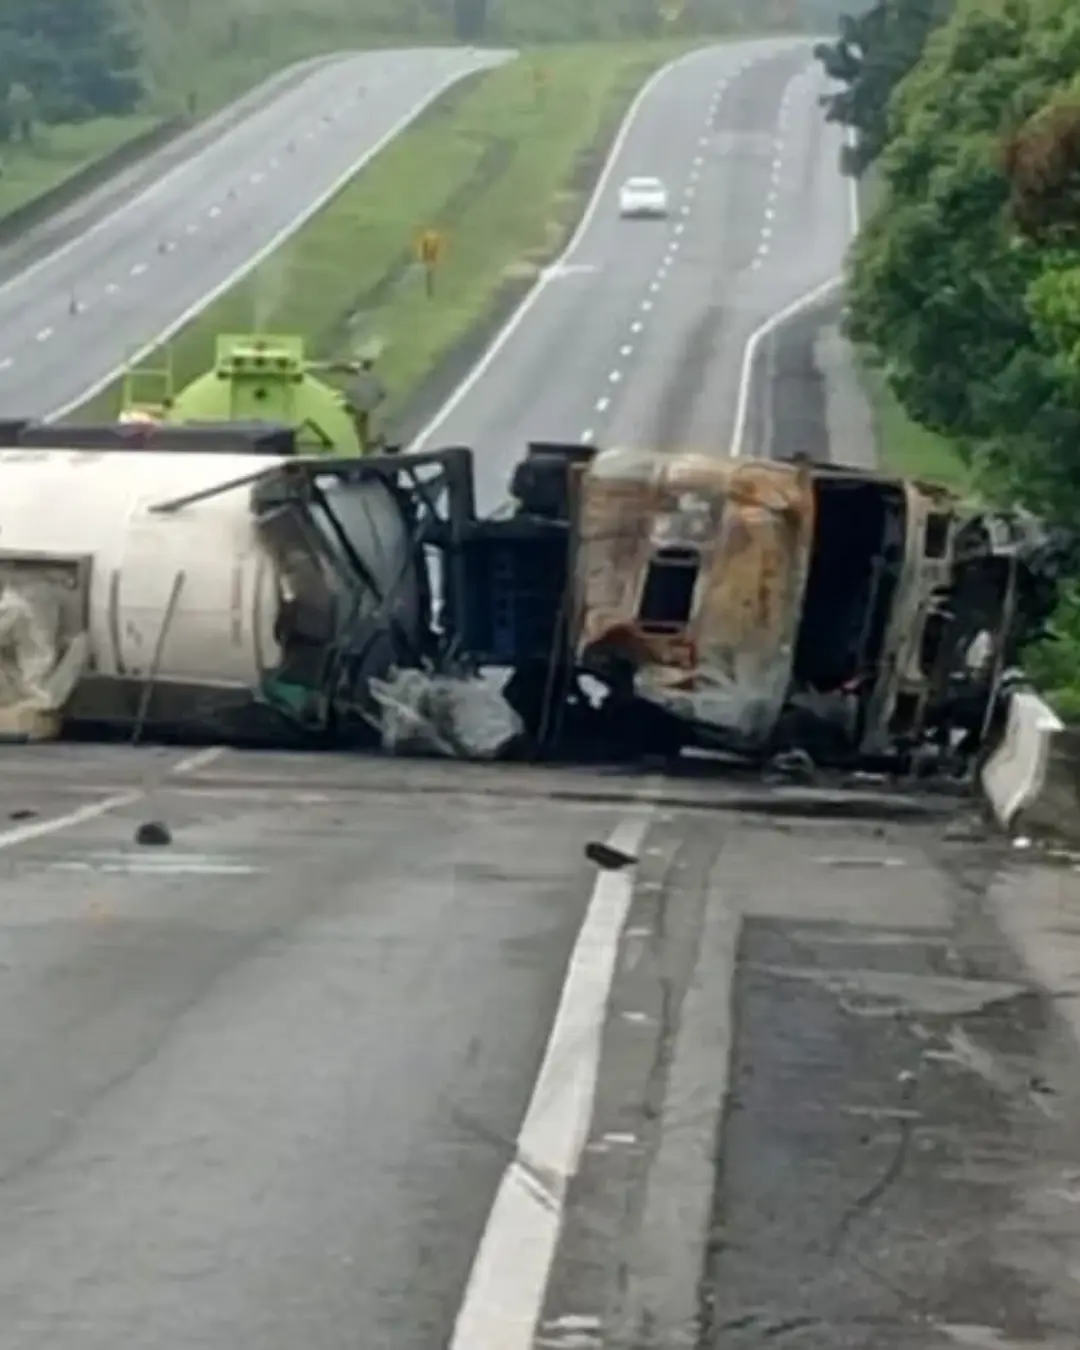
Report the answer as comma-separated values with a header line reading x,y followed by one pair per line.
x,y
266,378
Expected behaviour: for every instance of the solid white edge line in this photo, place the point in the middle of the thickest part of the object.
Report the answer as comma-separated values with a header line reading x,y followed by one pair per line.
x,y
490,62
508,1280
777,320
503,336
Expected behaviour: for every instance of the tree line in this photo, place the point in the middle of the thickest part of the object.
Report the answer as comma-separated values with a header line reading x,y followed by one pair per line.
x,y
964,283
64,61
68,60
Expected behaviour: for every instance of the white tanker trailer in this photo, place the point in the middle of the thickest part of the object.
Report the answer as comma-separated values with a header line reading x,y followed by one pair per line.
x,y
225,588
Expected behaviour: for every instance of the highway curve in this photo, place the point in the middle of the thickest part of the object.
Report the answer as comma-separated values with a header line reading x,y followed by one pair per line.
x,y
157,256
638,335
319,1072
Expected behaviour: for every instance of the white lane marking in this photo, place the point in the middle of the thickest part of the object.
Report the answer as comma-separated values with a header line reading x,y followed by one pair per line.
x,y
214,212
7,363
603,404
636,326
775,321
611,164
586,436
646,305
138,269
680,227
111,288
145,864
45,335
191,228
505,1291
257,176
199,760
626,349
313,206
136,206
615,377
38,829
853,192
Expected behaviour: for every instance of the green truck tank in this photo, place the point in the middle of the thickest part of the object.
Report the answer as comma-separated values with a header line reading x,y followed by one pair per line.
x,y
256,378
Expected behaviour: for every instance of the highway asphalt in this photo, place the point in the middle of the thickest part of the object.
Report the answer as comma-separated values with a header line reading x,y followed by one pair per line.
x,y
319,1072
148,263
638,337
265,1083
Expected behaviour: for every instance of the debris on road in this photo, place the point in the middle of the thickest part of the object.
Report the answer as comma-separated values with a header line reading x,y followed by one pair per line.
x,y
153,833
609,858
443,715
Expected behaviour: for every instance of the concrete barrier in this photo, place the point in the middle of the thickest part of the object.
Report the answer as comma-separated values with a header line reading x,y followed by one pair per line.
x,y
1014,775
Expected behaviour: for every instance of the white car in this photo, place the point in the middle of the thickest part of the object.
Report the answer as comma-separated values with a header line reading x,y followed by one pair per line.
x,y
643,198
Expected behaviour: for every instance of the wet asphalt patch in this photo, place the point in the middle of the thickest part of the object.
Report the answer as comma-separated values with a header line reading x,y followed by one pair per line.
x,y
894,1143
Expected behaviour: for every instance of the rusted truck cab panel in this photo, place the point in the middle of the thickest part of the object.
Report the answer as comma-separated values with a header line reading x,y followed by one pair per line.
x,y
905,675
689,581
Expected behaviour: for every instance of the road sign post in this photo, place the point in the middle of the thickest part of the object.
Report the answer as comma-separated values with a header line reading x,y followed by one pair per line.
x,y
429,250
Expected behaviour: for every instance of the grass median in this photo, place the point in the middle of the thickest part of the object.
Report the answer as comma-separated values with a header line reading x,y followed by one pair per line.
x,y
57,153
500,168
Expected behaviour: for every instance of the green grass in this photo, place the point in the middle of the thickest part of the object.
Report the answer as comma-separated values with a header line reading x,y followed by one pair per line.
x,y
348,275
58,152
215,52
904,447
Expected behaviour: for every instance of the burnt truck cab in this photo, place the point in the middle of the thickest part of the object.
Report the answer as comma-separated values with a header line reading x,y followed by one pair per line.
x,y
760,606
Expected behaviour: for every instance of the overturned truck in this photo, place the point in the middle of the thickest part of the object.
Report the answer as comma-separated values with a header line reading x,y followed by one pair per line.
x,y
210,582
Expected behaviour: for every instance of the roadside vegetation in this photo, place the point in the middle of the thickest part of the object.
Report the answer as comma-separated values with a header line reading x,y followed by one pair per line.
x,y
499,170
964,285
80,78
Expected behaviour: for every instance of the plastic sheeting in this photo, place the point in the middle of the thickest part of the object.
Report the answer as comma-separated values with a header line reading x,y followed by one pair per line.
x,y
458,718
35,670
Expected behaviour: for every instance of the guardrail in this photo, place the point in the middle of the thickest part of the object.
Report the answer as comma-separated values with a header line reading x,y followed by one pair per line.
x,y
1013,776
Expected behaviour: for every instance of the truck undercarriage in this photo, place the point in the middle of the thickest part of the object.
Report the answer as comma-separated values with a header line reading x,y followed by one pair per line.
x,y
628,604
